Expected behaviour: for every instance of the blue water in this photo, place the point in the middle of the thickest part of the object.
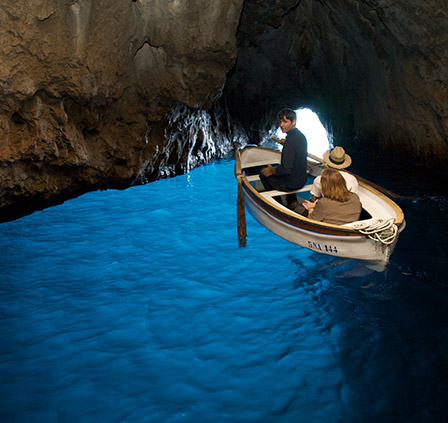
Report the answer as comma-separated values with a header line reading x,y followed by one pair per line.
x,y
138,306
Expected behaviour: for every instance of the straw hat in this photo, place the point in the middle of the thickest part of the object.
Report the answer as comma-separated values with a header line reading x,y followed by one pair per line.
x,y
337,158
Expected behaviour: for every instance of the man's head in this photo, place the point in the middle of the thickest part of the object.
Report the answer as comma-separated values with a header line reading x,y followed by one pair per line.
x,y
287,119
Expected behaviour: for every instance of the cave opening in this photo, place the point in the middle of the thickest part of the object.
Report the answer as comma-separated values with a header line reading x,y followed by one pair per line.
x,y
310,125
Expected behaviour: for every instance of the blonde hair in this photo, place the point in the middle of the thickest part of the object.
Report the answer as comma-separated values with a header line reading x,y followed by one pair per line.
x,y
333,186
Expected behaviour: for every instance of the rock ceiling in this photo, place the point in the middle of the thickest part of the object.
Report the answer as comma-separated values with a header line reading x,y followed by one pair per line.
x,y
105,93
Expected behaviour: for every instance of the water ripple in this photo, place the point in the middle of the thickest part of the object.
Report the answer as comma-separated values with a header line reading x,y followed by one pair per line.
x,y
138,306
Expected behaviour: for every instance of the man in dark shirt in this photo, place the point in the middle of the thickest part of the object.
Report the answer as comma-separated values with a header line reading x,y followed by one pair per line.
x,y
290,175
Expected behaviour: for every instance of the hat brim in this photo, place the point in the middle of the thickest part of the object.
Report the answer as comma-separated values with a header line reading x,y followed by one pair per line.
x,y
346,163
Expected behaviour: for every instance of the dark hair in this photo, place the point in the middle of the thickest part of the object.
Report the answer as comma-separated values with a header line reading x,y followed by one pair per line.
x,y
288,114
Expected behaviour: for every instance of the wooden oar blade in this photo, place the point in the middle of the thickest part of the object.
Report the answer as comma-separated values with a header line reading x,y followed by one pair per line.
x,y
241,217
240,211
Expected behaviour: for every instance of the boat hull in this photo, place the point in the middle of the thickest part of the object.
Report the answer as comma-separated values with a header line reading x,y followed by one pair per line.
x,y
335,240
374,254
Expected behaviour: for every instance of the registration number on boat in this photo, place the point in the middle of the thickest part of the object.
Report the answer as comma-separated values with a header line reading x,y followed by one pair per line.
x,y
327,248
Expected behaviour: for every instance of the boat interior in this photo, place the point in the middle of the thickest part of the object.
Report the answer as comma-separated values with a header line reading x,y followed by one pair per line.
x,y
280,196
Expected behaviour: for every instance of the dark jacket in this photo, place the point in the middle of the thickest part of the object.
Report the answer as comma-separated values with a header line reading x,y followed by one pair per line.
x,y
292,169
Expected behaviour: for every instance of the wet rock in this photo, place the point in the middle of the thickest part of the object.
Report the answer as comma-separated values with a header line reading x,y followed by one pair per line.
x,y
88,86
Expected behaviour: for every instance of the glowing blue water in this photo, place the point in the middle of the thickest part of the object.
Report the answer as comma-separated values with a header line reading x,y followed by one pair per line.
x,y
138,306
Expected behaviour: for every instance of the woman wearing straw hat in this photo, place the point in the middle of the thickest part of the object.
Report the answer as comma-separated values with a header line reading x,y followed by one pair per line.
x,y
336,159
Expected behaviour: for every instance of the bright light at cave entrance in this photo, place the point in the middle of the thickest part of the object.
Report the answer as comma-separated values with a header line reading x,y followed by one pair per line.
x,y
309,124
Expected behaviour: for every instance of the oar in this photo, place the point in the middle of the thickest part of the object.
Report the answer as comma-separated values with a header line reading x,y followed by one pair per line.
x,y
360,178
240,212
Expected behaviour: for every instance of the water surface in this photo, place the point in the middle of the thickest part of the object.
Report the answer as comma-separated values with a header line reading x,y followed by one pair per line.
x,y
138,306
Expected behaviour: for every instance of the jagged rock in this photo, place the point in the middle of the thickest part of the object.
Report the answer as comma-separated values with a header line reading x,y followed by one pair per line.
x,y
88,87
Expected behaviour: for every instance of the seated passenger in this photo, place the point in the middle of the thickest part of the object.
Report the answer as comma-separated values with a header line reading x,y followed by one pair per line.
x,y
290,175
338,205
336,159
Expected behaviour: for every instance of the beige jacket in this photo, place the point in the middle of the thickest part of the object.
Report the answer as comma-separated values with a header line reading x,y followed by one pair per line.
x,y
331,211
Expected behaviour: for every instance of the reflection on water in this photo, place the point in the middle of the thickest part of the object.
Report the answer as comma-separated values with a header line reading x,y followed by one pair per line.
x,y
138,306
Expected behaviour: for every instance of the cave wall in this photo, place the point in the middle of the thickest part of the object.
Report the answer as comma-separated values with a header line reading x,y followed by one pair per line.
x,y
89,89
374,71
106,93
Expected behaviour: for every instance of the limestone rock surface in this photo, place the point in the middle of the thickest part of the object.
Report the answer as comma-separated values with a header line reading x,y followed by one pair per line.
x,y
88,88
98,94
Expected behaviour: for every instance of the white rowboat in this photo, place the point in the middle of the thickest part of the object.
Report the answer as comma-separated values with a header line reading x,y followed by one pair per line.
x,y
372,239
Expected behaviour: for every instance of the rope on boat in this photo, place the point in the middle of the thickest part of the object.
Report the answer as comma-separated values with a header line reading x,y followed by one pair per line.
x,y
381,230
